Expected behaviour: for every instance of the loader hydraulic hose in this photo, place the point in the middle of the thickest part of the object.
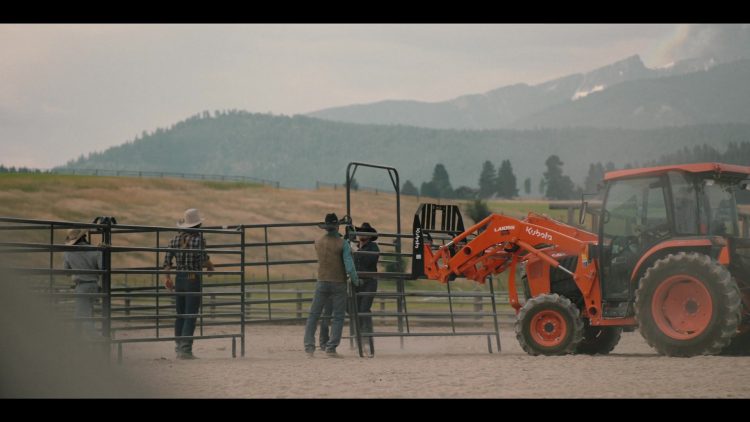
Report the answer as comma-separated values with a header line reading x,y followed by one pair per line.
x,y
544,257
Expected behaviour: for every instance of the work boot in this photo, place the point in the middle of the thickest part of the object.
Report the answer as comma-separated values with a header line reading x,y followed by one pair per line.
x,y
331,353
186,356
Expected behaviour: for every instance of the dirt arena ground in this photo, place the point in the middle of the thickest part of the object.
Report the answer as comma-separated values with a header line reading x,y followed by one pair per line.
x,y
275,366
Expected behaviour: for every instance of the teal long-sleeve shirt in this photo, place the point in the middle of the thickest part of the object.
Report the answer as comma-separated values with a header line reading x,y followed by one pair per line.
x,y
349,263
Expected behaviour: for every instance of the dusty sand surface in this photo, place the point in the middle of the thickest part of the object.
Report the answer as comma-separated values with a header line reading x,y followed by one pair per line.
x,y
275,366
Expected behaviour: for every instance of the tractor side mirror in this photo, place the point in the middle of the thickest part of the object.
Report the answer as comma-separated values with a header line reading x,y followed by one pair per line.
x,y
585,206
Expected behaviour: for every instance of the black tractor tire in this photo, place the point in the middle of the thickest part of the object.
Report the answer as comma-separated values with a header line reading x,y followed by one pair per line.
x,y
738,346
696,303
549,324
598,340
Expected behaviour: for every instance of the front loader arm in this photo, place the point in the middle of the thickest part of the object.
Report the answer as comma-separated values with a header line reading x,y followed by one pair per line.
x,y
499,238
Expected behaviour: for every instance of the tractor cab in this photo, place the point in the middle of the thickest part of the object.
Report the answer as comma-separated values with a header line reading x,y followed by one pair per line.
x,y
650,212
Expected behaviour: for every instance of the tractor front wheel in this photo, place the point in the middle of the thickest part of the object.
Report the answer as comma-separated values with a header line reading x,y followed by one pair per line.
x,y
549,324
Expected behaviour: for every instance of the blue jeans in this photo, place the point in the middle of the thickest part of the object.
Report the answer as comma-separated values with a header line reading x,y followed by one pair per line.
x,y
188,304
335,292
364,303
85,306
325,321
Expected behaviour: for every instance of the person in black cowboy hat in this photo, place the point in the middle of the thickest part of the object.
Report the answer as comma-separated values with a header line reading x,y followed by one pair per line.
x,y
334,263
366,260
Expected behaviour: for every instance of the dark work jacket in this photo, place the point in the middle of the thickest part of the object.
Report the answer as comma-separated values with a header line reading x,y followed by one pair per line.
x,y
367,262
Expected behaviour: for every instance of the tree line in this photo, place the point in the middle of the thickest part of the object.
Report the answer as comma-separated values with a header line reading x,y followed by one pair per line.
x,y
14,169
500,182
736,153
554,184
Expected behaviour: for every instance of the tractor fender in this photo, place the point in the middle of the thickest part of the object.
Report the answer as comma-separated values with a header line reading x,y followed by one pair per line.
x,y
662,249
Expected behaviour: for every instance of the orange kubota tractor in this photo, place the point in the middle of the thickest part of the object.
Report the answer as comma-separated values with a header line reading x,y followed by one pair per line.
x,y
668,259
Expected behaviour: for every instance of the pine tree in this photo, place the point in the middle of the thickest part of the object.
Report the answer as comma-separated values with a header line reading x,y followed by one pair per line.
x,y
595,176
558,185
440,185
426,189
487,185
506,181
409,189
527,186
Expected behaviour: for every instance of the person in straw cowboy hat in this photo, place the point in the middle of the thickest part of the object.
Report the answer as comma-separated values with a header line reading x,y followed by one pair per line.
x,y
85,284
191,257
334,263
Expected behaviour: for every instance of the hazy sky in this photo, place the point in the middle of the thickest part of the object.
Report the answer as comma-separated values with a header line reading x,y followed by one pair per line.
x,y
67,90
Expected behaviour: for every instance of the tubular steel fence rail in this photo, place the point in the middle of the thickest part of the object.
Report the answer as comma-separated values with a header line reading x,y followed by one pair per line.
x,y
250,284
122,308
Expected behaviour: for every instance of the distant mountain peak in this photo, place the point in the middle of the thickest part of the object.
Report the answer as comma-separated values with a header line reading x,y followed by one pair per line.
x,y
620,71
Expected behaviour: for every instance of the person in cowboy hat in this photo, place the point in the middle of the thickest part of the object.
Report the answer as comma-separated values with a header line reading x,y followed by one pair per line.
x,y
365,260
334,263
194,258
85,284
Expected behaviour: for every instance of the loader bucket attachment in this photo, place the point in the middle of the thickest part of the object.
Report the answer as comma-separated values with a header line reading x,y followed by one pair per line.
x,y
427,221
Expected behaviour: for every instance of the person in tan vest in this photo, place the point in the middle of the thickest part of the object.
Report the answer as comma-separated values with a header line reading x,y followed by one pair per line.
x,y
334,263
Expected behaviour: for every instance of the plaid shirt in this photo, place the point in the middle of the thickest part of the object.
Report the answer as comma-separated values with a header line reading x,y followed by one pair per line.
x,y
187,261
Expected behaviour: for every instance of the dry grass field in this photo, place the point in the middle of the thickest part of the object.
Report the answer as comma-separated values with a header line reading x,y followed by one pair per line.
x,y
161,202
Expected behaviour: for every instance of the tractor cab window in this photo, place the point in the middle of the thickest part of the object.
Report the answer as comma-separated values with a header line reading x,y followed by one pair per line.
x,y
635,215
718,212
685,197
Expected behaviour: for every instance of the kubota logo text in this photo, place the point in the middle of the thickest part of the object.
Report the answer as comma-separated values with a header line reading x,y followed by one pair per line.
x,y
537,233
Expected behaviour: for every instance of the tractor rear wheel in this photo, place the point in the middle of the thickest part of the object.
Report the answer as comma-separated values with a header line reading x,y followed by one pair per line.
x,y
739,346
598,339
549,324
687,305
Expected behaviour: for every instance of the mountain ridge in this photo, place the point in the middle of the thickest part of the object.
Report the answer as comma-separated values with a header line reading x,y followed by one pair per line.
x,y
502,107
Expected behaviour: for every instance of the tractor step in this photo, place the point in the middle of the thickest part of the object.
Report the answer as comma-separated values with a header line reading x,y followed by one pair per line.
x,y
616,309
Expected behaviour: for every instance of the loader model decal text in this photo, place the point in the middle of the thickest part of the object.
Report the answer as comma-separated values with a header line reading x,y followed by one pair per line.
x,y
537,233
505,228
